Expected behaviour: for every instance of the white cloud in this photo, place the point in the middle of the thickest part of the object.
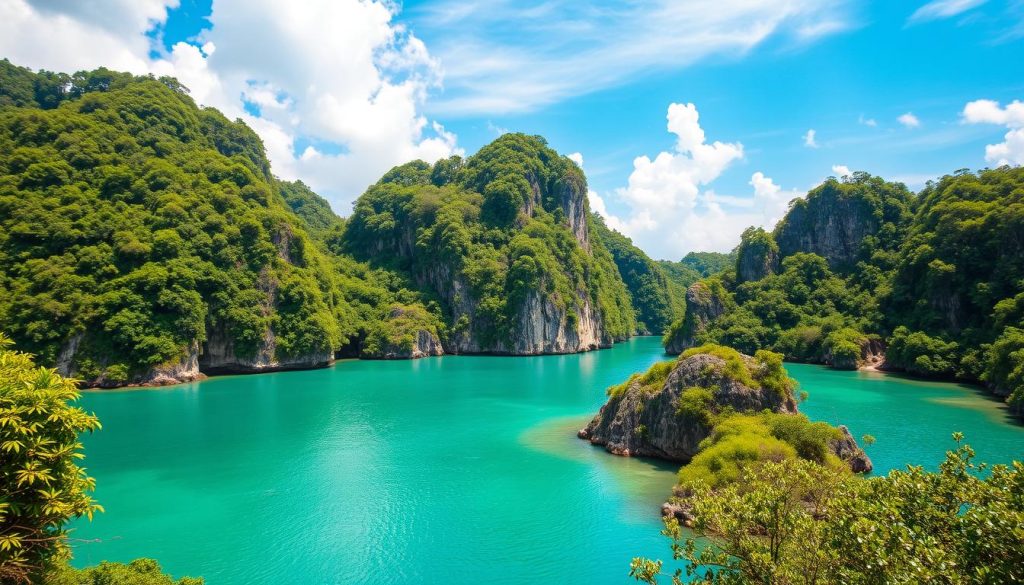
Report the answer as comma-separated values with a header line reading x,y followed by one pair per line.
x,y
668,212
909,120
1011,150
563,48
328,72
809,139
841,171
937,9
867,121
576,158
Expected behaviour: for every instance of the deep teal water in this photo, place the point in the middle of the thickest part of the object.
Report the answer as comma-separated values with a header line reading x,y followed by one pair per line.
x,y
443,470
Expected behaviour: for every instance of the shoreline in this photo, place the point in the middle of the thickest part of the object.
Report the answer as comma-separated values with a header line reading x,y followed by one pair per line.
x,y
204,376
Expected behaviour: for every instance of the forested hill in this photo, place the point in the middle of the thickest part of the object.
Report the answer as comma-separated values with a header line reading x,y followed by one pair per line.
x,y
144,239
504,242
863,266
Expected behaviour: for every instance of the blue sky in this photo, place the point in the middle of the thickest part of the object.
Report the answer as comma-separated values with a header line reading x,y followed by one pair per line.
x,y
599,81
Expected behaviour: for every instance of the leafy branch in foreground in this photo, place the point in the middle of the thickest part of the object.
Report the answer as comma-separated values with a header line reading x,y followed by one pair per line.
x,y
795,521
41,484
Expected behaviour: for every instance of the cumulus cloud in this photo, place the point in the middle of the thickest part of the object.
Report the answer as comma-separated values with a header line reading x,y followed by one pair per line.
x,y
938,9
576,158
909,120
669,211
809,139
1011,150
841,171
871,122
338,86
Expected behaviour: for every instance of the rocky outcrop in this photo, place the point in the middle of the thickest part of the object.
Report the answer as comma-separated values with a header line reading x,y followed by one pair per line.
x,y
219,356
424,344
638,422
757,257
408,332
831,223
705,302
872,356
669,418
184,369
846,448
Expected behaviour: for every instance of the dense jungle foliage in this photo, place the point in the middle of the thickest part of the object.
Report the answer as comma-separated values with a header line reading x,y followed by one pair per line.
x,y
656,289
135,221
939,277
136,226
795,521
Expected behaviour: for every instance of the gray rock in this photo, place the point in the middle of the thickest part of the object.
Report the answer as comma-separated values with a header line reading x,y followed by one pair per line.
x,y
847,449
704,304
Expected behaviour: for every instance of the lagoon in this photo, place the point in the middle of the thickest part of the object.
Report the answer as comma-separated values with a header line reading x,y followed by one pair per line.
x,y
458,469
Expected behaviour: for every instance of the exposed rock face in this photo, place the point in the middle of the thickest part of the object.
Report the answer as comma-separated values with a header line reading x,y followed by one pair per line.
x,y
219,356
185,369
872,355
424,344
704,304
757,257
650,423
637,423
830,225
420,342
847,449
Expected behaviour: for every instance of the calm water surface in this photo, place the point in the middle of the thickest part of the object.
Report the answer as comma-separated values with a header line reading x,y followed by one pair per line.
x,y
441,470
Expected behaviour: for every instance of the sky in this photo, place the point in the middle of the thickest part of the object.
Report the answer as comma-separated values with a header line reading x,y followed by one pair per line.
x,y
692,119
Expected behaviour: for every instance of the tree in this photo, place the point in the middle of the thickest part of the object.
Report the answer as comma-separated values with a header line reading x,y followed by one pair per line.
x,y
42,485
795,521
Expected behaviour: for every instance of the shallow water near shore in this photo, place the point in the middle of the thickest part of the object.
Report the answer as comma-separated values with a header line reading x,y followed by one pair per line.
x,y
456,469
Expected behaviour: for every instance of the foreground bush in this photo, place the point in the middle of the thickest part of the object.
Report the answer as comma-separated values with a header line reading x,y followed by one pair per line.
x,y
799,522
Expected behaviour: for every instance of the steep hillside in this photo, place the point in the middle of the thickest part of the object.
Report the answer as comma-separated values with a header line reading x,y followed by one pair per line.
x,y
143,239
657,298
505,244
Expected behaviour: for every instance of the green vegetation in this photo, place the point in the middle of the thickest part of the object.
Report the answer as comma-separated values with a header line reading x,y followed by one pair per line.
x,y
795,521
708,263
132,223
741,440
657,299
939,277
137,572
650,381
42,485
137,228
491,234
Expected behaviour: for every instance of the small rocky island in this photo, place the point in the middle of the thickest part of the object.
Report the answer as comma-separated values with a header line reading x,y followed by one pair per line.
x,y
717,404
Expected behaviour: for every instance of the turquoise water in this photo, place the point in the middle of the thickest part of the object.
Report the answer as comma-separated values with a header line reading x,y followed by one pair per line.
x,y
442,470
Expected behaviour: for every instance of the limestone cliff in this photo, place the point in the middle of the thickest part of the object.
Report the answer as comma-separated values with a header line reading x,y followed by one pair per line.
x,y
221,356
184,369
757,257
836,217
